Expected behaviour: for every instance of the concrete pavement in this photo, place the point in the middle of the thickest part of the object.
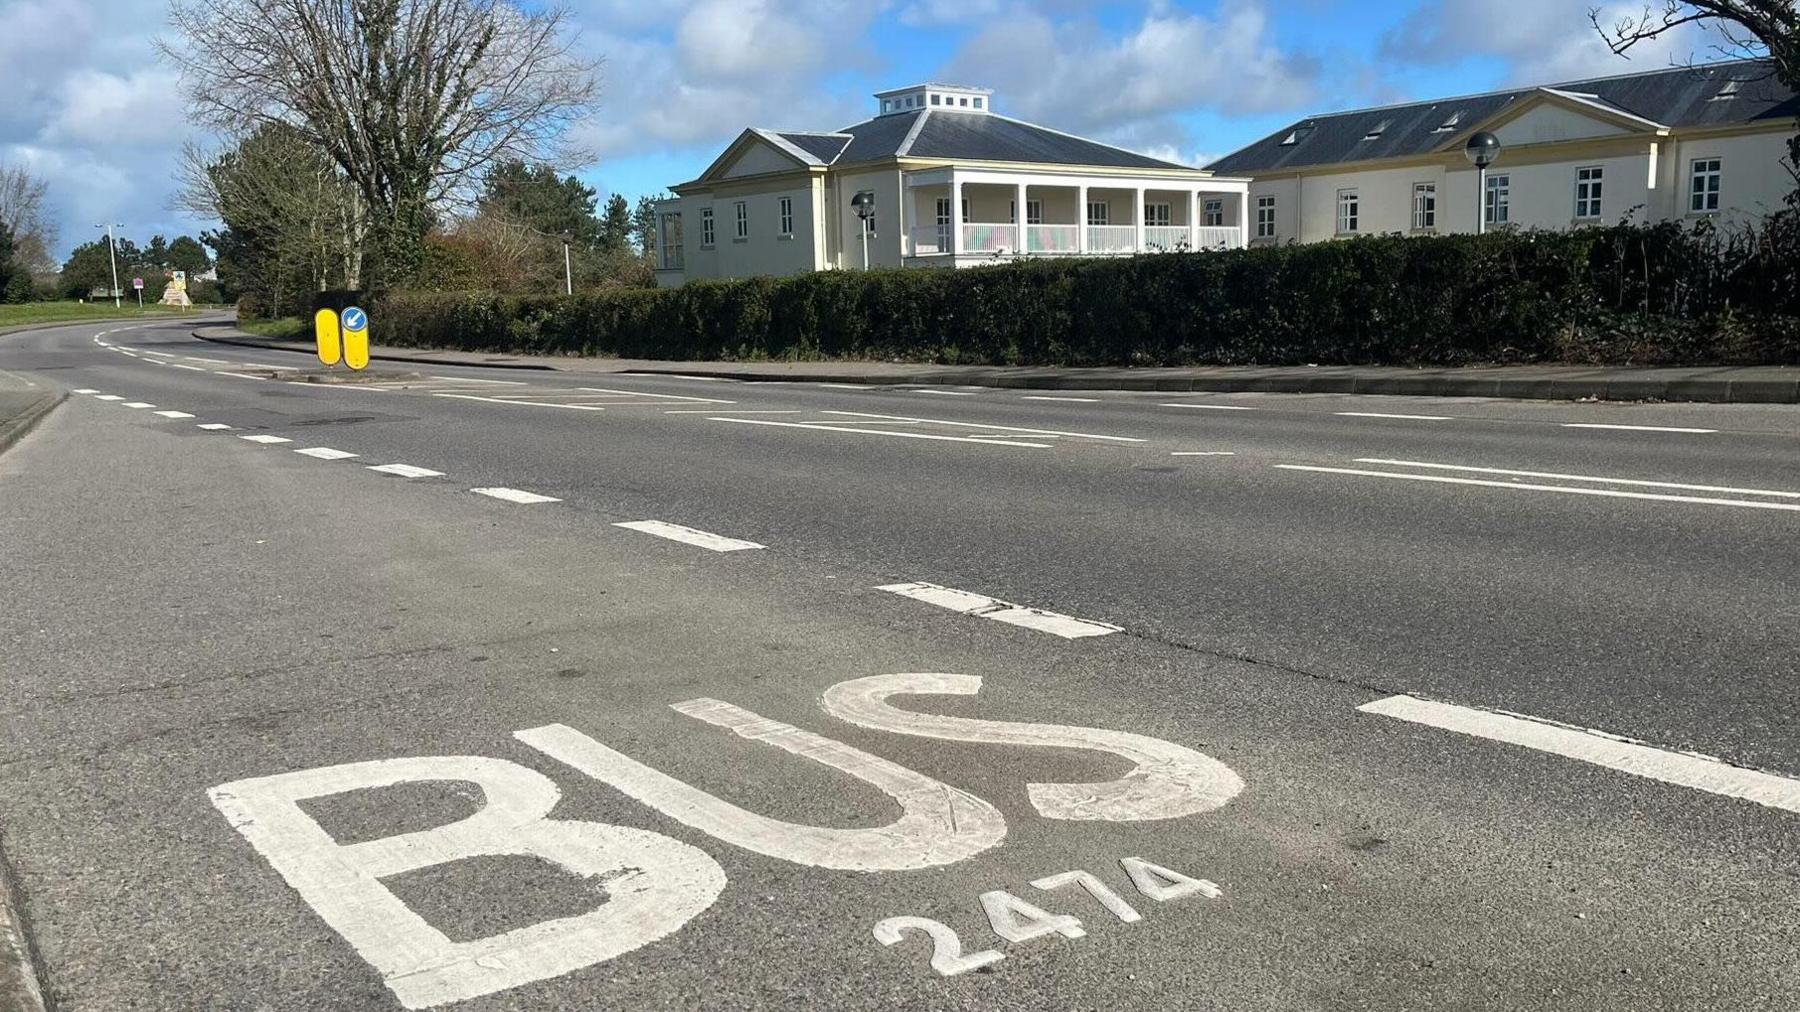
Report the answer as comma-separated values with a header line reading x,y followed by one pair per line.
x,y
1245,583
1709,384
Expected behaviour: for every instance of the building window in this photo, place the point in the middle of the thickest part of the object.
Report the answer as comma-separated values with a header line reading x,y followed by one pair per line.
x,y
1265,217
669,234
935,99
965,102
1424,206
706,227
1349,212
787,216
743,220
1703,185
1034,212
1097,212
965,210
1157,215
1497,205
943,224
978,103
1212,213
1587,192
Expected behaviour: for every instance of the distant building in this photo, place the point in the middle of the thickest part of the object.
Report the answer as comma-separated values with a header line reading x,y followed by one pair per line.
x,y
1666,145
954,183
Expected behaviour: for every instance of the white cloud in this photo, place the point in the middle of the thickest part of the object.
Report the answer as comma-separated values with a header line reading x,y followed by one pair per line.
x,y
99,107
1541,41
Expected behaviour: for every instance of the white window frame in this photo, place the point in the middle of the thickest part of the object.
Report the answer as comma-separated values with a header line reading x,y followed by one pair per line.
x,y
1496,203
1034,212
787,217
1265,217
707,235
1589,186
944,224
743,222
1158,214
1098,213
1349,211
1212,212
1424,207
965,210
1706,180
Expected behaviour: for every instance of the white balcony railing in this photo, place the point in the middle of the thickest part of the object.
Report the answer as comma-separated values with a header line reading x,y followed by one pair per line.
x,y
929,239
1217,237
989,238
1112,238
1166,238
1052,238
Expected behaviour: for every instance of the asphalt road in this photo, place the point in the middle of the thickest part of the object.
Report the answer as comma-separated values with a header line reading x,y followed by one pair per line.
x,y
1363,683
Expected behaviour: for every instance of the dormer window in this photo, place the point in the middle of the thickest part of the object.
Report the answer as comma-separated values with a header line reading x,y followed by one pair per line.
x,y
1726,93
1377,130
1449,124
1297,135
978,103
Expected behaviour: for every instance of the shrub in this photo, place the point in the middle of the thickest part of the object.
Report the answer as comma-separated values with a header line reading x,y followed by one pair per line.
x,y
1659,294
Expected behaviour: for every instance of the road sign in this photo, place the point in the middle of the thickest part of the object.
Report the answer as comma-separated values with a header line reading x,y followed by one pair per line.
x,y
137,283
326,334
356,338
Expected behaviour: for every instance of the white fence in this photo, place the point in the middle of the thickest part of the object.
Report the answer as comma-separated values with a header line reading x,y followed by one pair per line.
x,y
1052,238
983,237
1112,238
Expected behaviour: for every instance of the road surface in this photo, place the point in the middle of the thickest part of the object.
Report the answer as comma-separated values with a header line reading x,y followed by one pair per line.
x,y
500,689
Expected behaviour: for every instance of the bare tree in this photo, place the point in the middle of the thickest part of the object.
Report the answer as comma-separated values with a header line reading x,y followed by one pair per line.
x,y
22,213
1747,27
413,99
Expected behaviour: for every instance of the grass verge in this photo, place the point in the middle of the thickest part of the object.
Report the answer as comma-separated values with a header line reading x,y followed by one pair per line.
x,y
286,328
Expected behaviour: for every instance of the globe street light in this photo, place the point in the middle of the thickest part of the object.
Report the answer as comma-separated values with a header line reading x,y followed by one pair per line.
x,y
864,205
1482,151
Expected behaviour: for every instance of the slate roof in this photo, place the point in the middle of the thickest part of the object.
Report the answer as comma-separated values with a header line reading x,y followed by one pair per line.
x,y
968,136
822,147
1675,97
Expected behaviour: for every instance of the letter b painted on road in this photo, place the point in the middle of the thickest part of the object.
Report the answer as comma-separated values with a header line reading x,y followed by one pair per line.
x,y
654,884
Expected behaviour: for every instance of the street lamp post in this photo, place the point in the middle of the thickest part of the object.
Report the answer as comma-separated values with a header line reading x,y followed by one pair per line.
x,y
864,204
1482,151
112,254
568,269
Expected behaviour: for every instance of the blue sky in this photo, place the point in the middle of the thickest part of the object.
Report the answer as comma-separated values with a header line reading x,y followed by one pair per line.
x,y
92,109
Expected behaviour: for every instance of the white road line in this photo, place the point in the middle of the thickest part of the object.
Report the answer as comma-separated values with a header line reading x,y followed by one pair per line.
x,y
514,495
266,439
471,379
87,390
731,411
208,361
326,453
980,605
686,376
947,393
1204,453
1209,407
213,426
1633,428
819,427
1627,755
648,393
1610,493
983,425
138,404
190,368
1383,414
1582,477
406,470
238,375
539,404
690,536
174,414
1071,400
844,386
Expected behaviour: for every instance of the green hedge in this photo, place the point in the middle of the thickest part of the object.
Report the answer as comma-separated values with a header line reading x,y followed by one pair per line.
x,y
1652,295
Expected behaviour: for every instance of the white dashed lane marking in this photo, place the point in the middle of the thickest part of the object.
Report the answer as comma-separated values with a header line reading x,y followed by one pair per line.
x,y
514,495
1204,453
266,439
139,404
1384,414
406,470
325,453
1071,400
108,397
1685,769
1728,489
213,426
690,536
1634,428
87,390
1209,407
980,605
1531,487
174,414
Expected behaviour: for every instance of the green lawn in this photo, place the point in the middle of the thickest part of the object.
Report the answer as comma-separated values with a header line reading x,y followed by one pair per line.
x,y
286,328
64,312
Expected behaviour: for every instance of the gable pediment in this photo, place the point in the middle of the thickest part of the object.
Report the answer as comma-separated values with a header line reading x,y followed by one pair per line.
x,y
750,155
1552,116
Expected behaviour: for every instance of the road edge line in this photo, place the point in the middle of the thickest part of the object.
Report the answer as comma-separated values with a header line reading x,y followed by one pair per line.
x,y
20,988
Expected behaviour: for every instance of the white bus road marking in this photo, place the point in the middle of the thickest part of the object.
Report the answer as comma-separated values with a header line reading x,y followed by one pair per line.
x,y
1634,428
1071,400
1384,414
406,470
266,439
1209,407
1733,490
982,606
690,536
1531,487
514,495
173,414
1627,755
326,453
984,425
821,427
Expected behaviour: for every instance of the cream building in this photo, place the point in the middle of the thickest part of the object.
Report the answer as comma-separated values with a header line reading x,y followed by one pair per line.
x,y
1673,144
953,183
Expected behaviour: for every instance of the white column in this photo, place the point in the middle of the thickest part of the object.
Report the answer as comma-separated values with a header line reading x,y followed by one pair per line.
x,y
1137,217
956,215
1193,219
1019,244
1243,222
1081,219
909,217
